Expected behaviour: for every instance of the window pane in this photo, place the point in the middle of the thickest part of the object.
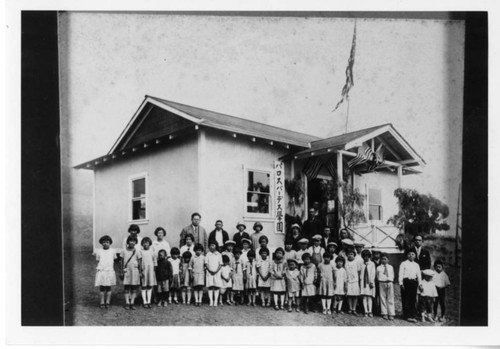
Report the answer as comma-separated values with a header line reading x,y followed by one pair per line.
x,y
375,212
139,187
375,196
139,209
257,203
259,181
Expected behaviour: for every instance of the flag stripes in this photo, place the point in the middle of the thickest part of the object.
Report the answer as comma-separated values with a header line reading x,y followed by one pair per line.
x,y
349,76
364,154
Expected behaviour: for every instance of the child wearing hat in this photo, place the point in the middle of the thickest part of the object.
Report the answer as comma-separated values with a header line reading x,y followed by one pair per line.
x,y
228,251
385,279
257,227
292,277
250,277
295,236
105,276
278,283
427,293
316,251
247,243
331,248
346,244
358,248
442,282
240,234
302,249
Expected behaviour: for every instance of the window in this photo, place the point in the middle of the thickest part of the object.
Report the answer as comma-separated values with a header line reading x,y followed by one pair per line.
x,y
374,204
258,192
138,198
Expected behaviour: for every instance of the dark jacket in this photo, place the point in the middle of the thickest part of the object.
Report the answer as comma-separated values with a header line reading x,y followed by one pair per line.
x,y
225,236
424,260
239,236
163,270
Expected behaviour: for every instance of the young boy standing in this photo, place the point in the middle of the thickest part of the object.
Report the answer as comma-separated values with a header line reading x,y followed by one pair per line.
x,y
385,277
409,279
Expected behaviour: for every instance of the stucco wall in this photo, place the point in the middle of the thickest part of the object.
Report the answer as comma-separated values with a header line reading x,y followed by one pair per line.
x,y
224,194
387,183
172,187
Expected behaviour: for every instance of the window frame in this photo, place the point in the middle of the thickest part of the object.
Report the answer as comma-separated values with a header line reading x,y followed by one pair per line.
x,y
369,204
256,215
131,179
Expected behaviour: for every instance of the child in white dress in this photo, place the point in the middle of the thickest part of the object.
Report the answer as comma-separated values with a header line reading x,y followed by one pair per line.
x,y
427,294
292,276
213,265
326,286
340,284
309,276
186,282
367,281
278,282
226,274
148,275
353,269
105,276
264,274
175,285
250,275
197,268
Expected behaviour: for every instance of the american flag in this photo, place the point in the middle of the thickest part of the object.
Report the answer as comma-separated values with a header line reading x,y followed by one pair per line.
x,y
349,77
378,159
364,154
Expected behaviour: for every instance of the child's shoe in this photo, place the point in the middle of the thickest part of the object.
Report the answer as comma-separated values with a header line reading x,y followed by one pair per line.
x,y
370,314
442,319
324,311
423,318
429,317
290,309
385,317
391,318
328,312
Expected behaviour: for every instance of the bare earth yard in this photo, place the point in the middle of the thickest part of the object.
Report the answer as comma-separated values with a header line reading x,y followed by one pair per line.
x,y
82,307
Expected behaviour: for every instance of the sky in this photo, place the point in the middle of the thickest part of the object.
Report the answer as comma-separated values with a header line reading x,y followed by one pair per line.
x,y
283,71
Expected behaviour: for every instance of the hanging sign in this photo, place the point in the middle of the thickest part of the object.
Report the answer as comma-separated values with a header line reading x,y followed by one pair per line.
x,y
279,194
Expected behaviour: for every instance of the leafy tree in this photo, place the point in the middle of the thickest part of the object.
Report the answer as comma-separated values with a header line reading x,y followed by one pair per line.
x,y
351,208
419,213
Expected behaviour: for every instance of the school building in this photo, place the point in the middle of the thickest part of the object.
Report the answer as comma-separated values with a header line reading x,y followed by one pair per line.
x,y
173,159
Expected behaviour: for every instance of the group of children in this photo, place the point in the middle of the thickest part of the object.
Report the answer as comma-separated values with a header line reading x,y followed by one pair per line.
x,y
289,279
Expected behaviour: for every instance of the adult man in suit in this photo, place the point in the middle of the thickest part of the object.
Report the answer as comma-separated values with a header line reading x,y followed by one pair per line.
x,y
312,226
219,234
199,233
423,256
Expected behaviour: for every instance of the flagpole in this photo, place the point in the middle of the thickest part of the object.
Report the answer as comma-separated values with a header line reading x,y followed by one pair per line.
x,y
347,116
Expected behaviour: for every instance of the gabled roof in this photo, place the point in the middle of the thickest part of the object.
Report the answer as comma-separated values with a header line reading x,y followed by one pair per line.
x,y
203,117
149,126
396,148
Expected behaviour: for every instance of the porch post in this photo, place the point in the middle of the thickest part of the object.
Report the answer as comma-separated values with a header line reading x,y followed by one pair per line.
x,y
400,175
340,178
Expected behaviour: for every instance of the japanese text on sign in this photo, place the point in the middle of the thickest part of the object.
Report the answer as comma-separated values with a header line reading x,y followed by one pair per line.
x,y
279,187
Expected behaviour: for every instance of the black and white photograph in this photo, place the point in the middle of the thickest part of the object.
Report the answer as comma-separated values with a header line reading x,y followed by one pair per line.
x,y
242,169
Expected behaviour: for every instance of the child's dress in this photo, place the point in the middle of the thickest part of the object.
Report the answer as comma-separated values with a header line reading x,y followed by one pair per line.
x,y
251,269
316,254
340,280
368,273
148,264
299,256
278,282
352,269
326,286
308,275
176,269
163,274
105,275
292,281
213,260
185,279
197,265
187,248
264,267
238,270
243,256
225,273
132,275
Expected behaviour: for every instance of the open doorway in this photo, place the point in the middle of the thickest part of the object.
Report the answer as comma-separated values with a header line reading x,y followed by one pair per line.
x,y
322,196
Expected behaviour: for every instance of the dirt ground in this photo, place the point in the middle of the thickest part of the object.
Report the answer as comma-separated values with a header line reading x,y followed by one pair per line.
x,y
82,307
